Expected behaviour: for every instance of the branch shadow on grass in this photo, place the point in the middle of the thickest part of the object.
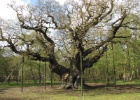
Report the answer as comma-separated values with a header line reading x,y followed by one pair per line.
x,y
112,89
2,90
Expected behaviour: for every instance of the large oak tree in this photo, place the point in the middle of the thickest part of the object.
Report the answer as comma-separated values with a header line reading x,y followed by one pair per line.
x,y
85,27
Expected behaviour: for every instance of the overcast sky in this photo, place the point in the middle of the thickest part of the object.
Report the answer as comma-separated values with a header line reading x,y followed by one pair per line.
x,y
8,13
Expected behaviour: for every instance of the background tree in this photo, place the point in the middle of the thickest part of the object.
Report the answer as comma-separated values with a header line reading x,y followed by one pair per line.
x,y
3,66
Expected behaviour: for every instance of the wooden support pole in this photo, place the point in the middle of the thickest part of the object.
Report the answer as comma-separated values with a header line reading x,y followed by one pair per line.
x,y
51,76
22,74
81,67
107,70
45,77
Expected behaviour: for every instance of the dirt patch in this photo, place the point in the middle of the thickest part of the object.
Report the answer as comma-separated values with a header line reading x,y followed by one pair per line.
x,y
112,89
10,99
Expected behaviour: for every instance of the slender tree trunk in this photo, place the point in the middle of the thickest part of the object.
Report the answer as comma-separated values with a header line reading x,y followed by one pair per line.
x,y
17,76
7,74
107,71
114,67
51,77
137,71
129,64
22,74
33,76
124,73
39,73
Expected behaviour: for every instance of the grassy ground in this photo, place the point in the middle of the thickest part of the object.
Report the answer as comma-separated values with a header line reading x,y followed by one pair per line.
x,y
123,91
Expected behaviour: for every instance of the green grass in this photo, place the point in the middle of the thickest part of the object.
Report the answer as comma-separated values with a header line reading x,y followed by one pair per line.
x,y
68,95
27,84
123,91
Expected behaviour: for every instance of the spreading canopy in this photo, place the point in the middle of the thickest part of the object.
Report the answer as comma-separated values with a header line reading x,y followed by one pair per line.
x,y
85,27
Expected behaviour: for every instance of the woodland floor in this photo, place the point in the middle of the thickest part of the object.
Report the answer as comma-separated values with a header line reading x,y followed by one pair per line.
x,y
95,91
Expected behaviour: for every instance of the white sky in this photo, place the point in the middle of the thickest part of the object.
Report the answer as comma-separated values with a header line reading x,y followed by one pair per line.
x,y
5,11
8,13
61,1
